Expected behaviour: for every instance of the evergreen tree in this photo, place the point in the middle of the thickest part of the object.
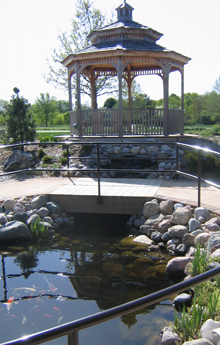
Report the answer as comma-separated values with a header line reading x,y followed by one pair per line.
x,y
20,126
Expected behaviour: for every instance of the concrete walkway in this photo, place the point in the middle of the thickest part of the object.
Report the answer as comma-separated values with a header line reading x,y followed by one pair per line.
x,y
179,191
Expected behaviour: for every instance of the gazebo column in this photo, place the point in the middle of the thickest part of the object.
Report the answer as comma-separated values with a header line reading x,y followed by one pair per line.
x,y
78,107
93,90
166,99
182,88
120,108
70,92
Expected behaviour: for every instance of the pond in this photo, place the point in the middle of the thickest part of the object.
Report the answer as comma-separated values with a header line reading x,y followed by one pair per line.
x,y
78,273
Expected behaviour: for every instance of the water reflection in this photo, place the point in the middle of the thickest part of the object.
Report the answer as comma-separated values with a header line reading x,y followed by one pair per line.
x,y
47,284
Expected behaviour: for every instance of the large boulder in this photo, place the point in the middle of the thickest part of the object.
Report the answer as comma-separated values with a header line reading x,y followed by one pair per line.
x,y
18,160
177,231
14,230
181,216
207,328
151,208
39,201
53,207
176,266
202,212
166,206
8,204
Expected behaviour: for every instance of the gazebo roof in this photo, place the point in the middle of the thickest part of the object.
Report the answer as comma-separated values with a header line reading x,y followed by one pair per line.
x,y
124,35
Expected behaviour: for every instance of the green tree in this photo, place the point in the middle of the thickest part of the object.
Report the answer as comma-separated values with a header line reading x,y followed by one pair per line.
x,y
217,85
20,126
211,108
45,109
86,20
110,102
3,105
174,101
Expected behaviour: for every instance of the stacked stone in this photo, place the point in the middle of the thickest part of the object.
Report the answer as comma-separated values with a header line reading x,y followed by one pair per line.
x,y
17,217
159,155
180,228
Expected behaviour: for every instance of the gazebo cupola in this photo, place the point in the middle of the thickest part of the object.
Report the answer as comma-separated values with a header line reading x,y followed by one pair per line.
x,y
124,12
125,49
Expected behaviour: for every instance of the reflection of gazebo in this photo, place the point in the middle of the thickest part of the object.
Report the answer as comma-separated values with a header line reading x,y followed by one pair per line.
x,y
125,49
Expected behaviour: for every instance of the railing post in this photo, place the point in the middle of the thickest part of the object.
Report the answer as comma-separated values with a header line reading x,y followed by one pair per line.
x,y
99,198
199,178
73,338
68,161
177,155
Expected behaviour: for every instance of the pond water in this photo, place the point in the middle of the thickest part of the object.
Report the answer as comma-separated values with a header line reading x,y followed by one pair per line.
x,y
83,271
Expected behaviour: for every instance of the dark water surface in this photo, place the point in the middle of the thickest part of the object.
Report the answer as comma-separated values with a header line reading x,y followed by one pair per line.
x,y
78,273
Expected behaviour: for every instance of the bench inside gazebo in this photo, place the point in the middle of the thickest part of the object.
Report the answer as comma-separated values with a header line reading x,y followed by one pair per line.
x,y
125,49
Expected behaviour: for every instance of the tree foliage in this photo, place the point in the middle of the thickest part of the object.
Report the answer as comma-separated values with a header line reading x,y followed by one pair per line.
x,y
45,109
86,20
20,126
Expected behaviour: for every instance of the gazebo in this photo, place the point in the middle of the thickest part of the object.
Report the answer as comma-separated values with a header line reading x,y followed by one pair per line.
x,y
125,49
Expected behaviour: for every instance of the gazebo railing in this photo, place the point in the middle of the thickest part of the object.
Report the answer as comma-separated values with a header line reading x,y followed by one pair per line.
x,y
106,122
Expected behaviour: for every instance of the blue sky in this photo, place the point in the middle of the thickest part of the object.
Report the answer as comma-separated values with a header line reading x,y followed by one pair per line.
x,y
29,30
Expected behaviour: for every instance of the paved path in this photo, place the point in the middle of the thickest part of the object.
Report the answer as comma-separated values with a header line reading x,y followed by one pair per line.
x,y
177,190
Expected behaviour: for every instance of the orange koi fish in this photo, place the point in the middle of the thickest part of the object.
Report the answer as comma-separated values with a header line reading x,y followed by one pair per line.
x,y
57,309
48,315
9,303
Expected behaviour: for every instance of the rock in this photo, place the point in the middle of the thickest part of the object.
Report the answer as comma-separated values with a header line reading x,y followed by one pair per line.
x,y
53,207
181,249
166,207
212,227
153,176
165,238
215,254
39,201
155,220
28,207
156,236
176,206
117,149
19,208
181,216
194,224
201,341
190,252
177,231
169,337
188,239
33,219
47,220
58,220
3,219
43,212
135,150
22,217
143,239
14,230
202,239
126,150
18,160
152,149
181,300
139,221
164,226
207,328
213,240
176,266
175,241
24,200
202,212
9,204
150,208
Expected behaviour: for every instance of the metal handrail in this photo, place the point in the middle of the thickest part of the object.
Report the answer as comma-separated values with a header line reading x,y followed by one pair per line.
x,y
118,141
71,329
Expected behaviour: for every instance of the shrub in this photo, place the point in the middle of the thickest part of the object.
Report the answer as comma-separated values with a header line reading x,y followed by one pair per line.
x,y
63,160
47,159
40,154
